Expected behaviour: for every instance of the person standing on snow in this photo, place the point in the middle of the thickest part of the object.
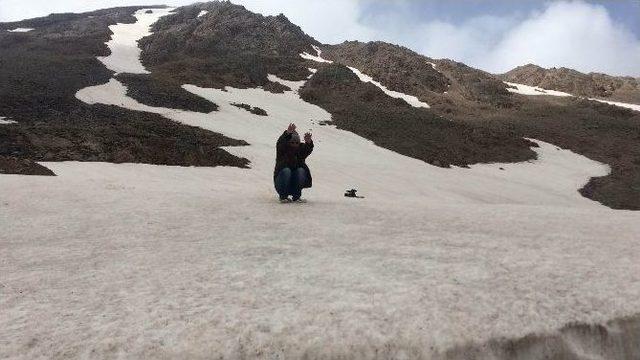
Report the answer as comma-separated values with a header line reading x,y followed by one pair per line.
x,y
291,173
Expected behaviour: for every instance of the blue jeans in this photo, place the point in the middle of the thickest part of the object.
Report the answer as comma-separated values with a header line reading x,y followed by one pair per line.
x,y
290,182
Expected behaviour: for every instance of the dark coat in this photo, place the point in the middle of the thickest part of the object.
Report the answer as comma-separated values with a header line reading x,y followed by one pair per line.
x,y
286,156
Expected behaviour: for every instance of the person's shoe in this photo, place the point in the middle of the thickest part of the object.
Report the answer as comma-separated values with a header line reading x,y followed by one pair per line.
x,y
299,200
285,200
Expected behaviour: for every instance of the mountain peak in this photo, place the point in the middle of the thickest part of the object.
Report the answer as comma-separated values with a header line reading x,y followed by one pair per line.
x,y
230,46
625,89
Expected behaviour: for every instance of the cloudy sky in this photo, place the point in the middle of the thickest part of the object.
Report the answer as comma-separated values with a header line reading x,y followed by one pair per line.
x,y
494,35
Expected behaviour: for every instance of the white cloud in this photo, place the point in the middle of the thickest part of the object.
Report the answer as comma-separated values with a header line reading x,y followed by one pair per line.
x,y
444,40
570,34
573,34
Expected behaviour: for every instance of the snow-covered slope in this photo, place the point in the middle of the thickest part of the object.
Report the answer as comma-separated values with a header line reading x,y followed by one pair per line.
x,y
148,261
151,261
534,90
125,53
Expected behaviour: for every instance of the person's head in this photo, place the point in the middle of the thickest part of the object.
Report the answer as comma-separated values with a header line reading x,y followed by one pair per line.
x,y
294,141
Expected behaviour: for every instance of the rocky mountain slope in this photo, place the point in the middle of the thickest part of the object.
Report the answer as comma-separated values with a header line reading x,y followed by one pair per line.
x,y
406,71
226,46
366,110
617,88
220,44
602,132
40,73
392,65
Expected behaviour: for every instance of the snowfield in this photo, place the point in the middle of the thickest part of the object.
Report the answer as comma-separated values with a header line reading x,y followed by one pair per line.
x,y
125,53
533,90
143,261
317,57
293,85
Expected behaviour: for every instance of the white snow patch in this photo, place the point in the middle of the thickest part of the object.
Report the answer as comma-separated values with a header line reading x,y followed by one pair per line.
x,y
308,56
318,50
533,90
202,13
433,65
635,107
293,85
125,53
208,262
21,30
5,121
114,93
317,57
409,99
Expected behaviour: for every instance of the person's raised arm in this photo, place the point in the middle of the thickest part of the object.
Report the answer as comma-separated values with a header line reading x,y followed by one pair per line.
x,y
285,137
308,144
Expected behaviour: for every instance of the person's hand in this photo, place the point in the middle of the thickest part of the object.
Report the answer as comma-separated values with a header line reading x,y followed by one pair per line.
x,y
307,137
292,128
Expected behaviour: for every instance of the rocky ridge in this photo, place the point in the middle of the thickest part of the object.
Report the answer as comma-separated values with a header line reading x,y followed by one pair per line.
x,y
227,46
364,109
596,85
